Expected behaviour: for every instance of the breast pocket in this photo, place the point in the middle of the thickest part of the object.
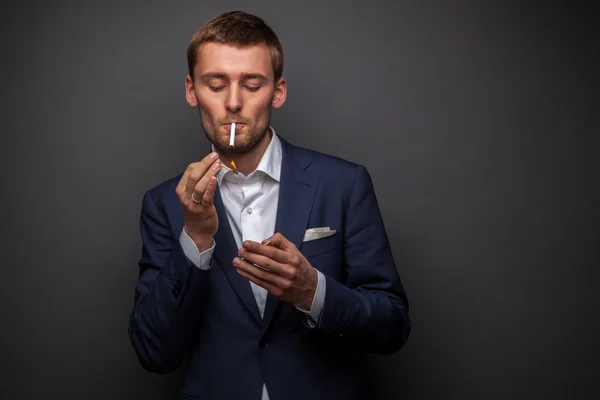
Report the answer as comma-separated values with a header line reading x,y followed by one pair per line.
x,y
316,247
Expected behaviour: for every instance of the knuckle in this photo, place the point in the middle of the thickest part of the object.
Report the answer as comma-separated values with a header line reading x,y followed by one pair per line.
x,y
295,260
293,274
286,284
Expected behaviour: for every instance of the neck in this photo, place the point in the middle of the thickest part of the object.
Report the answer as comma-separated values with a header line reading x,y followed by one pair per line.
x,y
246,163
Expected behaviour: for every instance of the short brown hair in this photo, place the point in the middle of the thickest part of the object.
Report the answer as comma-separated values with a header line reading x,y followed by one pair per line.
x,y
236,28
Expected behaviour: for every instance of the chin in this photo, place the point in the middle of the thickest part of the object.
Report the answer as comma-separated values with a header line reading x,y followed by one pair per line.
x,y
222,144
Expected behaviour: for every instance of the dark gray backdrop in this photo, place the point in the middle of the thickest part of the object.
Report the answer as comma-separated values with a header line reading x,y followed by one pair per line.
x,y
477,121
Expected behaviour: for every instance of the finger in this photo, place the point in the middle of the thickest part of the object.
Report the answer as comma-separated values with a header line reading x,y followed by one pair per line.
x,y
209,193
198,171
279,241
202,184
269,287
261,275
182,185
284,256
267,262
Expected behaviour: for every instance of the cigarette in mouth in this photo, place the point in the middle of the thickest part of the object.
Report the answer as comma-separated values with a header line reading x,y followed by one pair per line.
x,y
232,134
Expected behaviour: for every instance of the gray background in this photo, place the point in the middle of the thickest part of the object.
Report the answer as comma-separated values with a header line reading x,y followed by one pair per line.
x,y
477,120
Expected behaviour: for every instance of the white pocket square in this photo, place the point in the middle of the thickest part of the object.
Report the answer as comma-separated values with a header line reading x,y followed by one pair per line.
x,y
318,233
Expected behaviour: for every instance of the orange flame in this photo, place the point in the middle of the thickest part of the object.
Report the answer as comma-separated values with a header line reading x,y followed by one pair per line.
x,y
233,164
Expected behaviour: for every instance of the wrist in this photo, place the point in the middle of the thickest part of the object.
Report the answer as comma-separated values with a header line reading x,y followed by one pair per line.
x,y
203,245
312,291
307,303
203,242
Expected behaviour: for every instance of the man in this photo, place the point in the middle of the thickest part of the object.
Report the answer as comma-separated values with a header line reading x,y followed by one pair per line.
x,y
271,279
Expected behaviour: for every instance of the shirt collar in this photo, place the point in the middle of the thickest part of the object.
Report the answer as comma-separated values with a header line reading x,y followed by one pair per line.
x,y
269,164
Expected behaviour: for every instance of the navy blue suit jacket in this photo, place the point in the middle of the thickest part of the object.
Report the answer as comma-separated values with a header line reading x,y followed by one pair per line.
x,y
209,321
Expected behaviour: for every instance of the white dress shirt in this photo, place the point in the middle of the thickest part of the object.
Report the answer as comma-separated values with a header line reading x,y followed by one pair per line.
x,y
251,206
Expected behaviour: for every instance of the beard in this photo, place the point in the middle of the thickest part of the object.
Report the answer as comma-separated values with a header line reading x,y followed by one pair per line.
x,y
250,136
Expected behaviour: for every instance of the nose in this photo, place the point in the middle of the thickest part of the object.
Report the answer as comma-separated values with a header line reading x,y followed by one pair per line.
x,y
234,101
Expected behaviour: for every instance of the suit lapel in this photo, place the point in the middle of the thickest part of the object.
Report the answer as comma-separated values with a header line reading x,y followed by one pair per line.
x,y
224,253
297,190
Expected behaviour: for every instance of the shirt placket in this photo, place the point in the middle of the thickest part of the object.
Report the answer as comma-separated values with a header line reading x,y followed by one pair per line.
x,y
250,220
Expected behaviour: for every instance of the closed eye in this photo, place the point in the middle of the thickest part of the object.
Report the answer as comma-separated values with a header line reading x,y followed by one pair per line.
x,y
216,88
252,88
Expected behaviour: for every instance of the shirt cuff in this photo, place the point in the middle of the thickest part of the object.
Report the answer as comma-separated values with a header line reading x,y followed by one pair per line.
x,y
200,260
312,315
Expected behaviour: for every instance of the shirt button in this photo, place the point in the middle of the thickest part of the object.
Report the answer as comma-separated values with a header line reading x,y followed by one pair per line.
x,y
249,210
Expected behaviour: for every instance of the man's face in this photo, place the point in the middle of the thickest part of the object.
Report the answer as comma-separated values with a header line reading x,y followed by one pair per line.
x,y
235,84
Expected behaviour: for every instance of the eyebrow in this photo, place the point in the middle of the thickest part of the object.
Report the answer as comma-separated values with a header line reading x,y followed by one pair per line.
x,y
260,77
220,75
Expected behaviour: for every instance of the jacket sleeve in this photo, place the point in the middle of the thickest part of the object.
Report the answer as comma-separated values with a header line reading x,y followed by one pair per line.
x,y
369,310
169,296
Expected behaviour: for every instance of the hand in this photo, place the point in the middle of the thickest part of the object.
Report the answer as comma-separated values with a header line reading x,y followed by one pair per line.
x,y
200,218
282,270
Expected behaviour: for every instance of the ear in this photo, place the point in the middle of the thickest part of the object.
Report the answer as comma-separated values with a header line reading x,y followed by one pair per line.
x,y
280,93
190,93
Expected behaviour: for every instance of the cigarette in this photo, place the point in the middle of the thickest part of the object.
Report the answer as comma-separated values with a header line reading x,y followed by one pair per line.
x,y
232,134
261,267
